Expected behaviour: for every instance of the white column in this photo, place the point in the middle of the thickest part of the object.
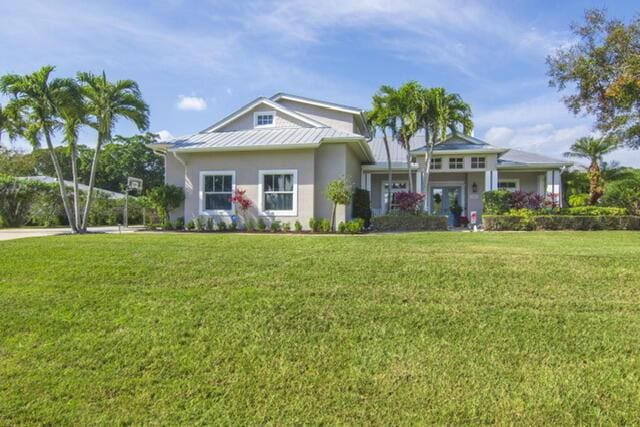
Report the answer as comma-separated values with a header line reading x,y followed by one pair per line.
x,y
363,180
419,180
554,185
368,182
490,180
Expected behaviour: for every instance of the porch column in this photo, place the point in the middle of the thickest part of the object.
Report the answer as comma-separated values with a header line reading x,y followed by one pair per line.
x,y
554,186
490,180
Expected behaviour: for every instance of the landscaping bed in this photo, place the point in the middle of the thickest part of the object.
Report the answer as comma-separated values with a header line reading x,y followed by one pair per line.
x,y
560,222
409,222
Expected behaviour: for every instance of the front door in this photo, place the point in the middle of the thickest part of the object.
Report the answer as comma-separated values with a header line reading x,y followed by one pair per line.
x,y
443,198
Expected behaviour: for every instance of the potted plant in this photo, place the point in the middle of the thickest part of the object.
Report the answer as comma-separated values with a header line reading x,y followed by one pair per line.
x,y
456,210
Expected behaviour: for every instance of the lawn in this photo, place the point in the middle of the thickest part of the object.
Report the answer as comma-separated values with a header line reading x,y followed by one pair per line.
x,y
502,328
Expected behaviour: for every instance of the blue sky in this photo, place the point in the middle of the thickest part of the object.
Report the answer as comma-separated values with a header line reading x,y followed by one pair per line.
x,y
198,61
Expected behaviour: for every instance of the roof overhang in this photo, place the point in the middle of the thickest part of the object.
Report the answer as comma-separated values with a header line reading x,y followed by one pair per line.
x,y
495,150
533,166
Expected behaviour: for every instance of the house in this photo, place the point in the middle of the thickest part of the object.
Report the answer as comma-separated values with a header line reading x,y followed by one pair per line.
x,y
285,149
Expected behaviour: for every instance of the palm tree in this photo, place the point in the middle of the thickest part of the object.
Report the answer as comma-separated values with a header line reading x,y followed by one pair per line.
x,y
11,123
381,118
73,117
39,99
439,113
106,103
593,149
402,104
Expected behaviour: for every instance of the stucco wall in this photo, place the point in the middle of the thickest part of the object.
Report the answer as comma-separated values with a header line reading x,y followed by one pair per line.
x,y
174,175
353,171
334,119
376,186
245,121
247,166
528,180
329,165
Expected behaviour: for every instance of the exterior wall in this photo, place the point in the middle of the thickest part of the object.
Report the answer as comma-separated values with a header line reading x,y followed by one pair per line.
x,y
335,119
528,180
245,121
491,162
377,178
330,163
474,200
353,171
174,175
247,166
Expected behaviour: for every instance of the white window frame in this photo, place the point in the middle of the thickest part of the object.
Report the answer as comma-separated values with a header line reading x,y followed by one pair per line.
x,y
478,158
264,113
433,163
223,212
383,191
455,158
509,180
261,174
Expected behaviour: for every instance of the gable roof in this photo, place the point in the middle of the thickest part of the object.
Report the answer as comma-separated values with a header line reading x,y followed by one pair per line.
x,y
317,102
460,143
518,159
266,101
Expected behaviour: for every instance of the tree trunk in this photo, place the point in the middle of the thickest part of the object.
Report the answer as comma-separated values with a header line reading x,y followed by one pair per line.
x,y
426,174
333,217
63,191
409,171
76,195
92,179
389,172
595,189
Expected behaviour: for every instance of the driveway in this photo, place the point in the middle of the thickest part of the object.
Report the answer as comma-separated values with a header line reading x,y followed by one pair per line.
x,y
20,233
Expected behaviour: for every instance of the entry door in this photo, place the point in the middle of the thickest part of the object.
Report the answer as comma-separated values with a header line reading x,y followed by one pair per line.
x,y
442,198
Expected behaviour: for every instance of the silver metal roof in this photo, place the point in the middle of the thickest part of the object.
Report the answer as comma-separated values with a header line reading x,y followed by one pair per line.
x,y
51,180
524,158
355,110
255,138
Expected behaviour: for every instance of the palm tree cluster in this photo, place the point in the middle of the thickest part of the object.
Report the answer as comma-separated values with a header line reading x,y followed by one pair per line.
x,y
398,114
41,106
594,149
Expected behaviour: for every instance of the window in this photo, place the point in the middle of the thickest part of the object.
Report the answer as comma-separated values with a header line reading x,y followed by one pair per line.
x,y
396,187
264,119
509,184
436,163
216,188
456,163
279,192
478,163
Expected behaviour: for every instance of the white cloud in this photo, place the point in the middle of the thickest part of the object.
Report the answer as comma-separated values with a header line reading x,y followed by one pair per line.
x,y
164,135
191,103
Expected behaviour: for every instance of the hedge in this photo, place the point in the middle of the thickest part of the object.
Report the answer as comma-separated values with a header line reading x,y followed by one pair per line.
x,y
408,222
560,222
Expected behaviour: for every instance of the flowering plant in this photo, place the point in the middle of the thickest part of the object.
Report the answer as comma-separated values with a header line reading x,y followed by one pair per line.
x,y
408,201
241,201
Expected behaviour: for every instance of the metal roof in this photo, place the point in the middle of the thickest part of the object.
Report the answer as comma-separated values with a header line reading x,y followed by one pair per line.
x,y
51,180
354,110
255,138
524,158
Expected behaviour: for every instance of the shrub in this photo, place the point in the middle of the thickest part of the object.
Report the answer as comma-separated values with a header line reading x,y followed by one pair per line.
x,y
261,224
342,227
16,198
496,202
325,225
180,223
338,192
624,193
165,198
275,226
250,224
355,226
314,225
561,222
286,227
233,226
200,223
222,226
526,200
298,226
594,210
581,199
361,205
408,201
409,222
191,225
211,225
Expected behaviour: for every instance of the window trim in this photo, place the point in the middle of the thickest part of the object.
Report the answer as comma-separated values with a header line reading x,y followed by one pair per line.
x,y
513,180
383,191
201,193
433,162
484,160
264,113
456,159
261,174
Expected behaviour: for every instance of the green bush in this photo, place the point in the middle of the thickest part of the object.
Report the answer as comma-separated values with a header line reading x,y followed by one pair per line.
x,y
275,226
325,225
409,222
355,226
191,225
286,227
250,224
222,226
165,198
16,199
180,223
342,227
581,199
560,222
496,202
261,224
594,210
233,226
298,226
624,193
361,205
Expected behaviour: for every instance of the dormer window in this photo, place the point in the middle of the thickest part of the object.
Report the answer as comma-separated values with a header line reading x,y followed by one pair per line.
x,y
264,119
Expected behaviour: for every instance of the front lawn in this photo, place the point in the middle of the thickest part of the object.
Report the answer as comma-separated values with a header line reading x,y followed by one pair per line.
x,y
172,329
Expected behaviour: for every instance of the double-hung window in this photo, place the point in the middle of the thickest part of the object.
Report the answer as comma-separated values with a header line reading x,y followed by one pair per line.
x,y
279,192
264,119
217,189
456,162
436,163
478,163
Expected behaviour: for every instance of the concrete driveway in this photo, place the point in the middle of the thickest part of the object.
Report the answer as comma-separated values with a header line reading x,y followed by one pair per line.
x,y
20,233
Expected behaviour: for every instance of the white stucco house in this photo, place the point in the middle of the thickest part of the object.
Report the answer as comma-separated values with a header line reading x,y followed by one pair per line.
x,y
285,149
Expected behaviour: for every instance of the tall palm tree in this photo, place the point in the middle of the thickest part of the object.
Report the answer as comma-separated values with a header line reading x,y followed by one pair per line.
x,y
106,103
440,113
381,118
73,116
402,104
39,98
11,122
594,150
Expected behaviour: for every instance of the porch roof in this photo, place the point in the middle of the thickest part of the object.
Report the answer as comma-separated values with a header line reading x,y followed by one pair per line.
x,y
524,159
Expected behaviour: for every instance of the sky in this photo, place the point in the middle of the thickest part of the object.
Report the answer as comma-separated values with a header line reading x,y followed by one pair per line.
x,y
197,61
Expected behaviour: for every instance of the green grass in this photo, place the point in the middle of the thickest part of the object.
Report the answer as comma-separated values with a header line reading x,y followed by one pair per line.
x,y
504,328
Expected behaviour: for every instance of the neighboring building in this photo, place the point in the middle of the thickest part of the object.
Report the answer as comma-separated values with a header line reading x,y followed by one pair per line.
x,y
81,187
284,150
